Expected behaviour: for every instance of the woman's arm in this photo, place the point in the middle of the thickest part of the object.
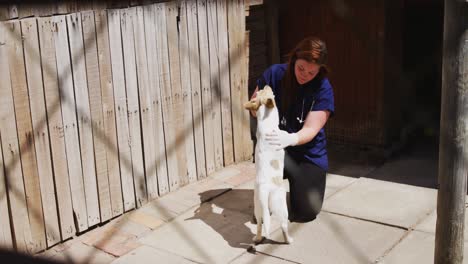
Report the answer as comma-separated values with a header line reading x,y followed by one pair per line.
x,y
315,120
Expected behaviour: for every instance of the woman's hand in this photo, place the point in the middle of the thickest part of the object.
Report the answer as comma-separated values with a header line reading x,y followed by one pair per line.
x,y
253,112
281,139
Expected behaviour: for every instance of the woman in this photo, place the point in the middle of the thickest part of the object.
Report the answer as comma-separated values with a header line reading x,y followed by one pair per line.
x,y
305,101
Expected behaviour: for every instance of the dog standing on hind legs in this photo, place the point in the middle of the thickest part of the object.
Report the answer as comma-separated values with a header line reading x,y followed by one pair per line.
x,y
269,192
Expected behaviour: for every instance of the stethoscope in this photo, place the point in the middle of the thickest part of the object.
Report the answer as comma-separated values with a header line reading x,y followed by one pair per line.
x,y
301,120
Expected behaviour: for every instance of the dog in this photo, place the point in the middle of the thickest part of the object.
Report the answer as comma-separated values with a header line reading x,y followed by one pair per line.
x,y
269,192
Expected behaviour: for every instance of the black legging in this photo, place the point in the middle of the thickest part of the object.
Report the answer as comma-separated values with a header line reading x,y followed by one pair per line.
x,y
307,188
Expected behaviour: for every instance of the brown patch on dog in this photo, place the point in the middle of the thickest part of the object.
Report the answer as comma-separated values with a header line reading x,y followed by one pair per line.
x,y
264,96
252,105
270,103
275,164
277,180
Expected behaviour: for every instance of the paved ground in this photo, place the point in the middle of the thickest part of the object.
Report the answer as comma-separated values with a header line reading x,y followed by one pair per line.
x,y
373,213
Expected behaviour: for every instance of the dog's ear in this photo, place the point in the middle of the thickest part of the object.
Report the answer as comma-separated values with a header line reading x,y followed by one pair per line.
x,y
252,105
270,103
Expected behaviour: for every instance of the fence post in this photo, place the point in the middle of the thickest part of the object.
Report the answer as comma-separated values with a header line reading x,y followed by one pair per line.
x,y
453,147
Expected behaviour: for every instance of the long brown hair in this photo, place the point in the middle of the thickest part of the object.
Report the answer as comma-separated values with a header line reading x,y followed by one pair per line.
x,y
312,50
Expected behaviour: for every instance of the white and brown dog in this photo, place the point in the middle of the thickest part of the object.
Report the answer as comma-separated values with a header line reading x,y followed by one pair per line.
x,y
269,193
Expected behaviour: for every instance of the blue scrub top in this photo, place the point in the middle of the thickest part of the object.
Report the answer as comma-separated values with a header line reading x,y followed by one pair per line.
x,y
314,95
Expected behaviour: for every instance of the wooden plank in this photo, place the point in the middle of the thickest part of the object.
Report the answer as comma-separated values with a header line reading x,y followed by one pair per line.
x,y
40,129
85,5
99,6
156,86
177,103
187,135
67,6
25,10
75,36
110,127
205,87
127,17
215,82
46,8
26,137
11,154
134,2
70,124
194,57
62,7
4,12
123,133
166,96
146,106
235,62
6,240
54,117
28,9
13,11
117,4
247,144
226,114
97,119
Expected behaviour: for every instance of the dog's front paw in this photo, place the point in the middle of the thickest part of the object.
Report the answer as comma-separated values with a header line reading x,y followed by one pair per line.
x,y
257,239
289,240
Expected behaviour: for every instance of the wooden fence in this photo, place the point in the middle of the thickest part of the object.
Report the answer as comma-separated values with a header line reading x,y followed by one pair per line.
x,y
102,111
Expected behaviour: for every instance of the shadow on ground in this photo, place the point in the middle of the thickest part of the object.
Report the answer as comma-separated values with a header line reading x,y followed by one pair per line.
x,y
8,256
230,215
414,164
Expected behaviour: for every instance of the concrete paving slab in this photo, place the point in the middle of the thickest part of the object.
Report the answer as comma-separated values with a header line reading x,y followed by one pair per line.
x,y
245,172
62,246
91,237
333,239
417,247
47,254
164,208
429,224
385,202
246,167
417,168
124,225
249,185
258,258
114,243
210,234
240,200
204,190
145,219
81,253
351,170
336,182
350,161
240,179
149,255
118,244
226,173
